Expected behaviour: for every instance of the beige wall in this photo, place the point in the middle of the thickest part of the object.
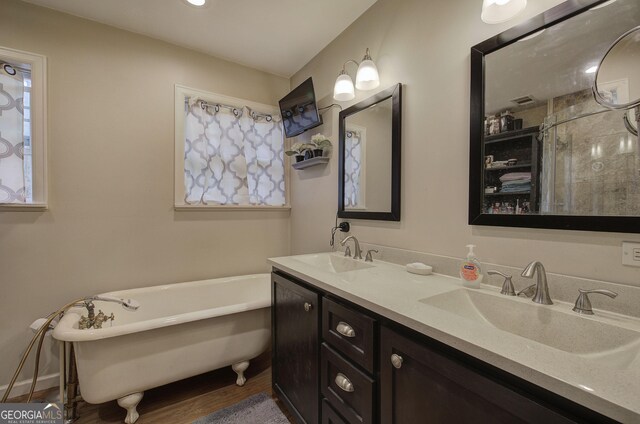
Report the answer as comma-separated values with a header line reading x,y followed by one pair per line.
x,y
111,223
425,45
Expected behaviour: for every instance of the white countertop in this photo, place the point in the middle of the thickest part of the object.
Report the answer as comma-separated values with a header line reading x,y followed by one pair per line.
x,y
388,290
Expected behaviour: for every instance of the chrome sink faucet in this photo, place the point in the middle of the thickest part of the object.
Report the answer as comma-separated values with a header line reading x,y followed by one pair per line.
x,y
541,294
357,253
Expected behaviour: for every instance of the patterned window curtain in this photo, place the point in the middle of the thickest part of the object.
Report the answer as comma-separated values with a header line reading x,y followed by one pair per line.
x,y
12,184
233,157
352,169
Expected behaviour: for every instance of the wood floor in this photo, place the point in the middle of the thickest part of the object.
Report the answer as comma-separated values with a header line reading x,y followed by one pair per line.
x,y
190,399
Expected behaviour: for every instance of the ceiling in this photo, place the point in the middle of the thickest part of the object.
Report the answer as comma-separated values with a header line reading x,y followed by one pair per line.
x,y
553,63
279,37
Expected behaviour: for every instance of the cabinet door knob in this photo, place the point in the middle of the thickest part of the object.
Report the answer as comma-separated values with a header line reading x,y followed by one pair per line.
x,y
307,306
345,329
344,383
396,360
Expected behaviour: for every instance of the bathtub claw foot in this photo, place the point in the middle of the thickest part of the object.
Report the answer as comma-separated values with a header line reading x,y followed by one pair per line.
x,y
239,369
130,402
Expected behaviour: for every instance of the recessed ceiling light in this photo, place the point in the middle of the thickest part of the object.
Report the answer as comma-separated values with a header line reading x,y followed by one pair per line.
x,y
591,70
197,3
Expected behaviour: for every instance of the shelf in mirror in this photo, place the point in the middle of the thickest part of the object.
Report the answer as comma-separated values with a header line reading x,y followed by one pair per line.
x,y
310,162
507,193
505,168
510,135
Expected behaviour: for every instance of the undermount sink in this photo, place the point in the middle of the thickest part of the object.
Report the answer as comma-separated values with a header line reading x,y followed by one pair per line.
x,y
566,331
333,263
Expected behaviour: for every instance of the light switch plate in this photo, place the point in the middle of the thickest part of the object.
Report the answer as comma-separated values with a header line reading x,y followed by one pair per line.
x,y
631,253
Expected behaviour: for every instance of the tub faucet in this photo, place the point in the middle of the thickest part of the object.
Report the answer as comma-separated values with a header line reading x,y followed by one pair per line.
x,y
93,321
357,254
541,294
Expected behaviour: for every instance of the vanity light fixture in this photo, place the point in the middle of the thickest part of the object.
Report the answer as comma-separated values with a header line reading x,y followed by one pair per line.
x,y
498,11
197,3
367,78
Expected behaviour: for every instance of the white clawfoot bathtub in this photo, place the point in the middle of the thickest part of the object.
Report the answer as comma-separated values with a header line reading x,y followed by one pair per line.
x,y
180,330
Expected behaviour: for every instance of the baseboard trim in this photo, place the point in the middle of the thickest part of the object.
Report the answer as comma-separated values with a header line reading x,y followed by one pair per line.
x,y
22,387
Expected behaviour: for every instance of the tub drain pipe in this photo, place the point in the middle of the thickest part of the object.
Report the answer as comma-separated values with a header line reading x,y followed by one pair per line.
x,y
71,406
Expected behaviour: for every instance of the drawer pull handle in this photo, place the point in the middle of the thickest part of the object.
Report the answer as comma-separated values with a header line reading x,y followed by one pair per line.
x,y
307,306
344,383
396,361
345,329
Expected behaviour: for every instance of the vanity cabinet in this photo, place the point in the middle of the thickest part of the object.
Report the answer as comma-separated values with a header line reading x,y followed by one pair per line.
x,y
419,384
335,362
295,347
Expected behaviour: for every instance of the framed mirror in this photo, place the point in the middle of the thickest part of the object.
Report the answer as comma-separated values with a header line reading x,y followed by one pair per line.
x,y
369,153
553,131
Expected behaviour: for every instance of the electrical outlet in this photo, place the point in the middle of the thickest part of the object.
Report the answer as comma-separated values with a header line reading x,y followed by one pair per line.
x,y
631,254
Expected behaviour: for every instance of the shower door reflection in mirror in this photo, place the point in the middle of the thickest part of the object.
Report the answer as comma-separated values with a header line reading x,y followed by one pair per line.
x,y
547,148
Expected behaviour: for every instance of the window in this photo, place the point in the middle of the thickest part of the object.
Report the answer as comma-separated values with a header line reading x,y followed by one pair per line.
x,y
22,130
229,153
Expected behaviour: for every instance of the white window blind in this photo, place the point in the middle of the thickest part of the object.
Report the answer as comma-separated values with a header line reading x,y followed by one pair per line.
x,y
15,135
353,175
23,130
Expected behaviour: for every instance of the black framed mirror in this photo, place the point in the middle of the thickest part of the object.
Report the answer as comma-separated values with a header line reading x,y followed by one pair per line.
x,y
369,157
543,152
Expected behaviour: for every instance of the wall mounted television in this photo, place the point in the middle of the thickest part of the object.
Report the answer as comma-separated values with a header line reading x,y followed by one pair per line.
x,y
299,110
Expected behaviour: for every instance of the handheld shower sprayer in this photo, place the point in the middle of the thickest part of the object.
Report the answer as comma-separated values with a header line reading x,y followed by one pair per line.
x,y
128,304
48,322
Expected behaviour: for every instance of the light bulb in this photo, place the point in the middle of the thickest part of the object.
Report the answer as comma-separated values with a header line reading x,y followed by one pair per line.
x,y
367,77
343,90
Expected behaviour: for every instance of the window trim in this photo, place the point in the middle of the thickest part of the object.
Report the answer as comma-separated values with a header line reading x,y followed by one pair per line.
x,y
38,64
182,92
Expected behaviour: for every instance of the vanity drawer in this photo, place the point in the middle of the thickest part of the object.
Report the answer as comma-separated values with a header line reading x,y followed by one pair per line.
x,y
349,332
329,415
348,390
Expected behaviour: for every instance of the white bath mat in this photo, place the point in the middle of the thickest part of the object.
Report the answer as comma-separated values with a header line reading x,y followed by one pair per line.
x,y
258,409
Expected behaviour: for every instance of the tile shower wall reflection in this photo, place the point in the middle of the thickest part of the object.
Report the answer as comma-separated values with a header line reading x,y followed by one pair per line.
x,y
596,161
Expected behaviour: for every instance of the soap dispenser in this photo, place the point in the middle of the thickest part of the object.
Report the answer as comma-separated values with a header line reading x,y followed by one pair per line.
x,y
470,270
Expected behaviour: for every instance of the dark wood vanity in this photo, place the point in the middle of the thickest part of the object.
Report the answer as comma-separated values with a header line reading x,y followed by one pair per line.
x,y
337,362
